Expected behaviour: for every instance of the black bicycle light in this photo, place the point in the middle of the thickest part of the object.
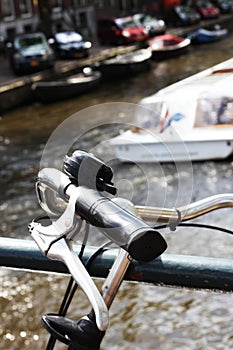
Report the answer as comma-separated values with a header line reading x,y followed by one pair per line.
x,y
85,169
128,231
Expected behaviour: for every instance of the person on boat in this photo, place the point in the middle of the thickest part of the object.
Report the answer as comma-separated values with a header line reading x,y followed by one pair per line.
x,y
222,115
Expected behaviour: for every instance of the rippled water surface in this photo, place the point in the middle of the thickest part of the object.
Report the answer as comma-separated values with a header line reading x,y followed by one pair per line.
x,y
142,316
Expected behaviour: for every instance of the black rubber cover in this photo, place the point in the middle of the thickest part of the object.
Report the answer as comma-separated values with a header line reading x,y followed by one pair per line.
x,y
126,230
81,335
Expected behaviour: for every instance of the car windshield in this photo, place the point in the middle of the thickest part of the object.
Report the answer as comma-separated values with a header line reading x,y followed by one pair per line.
x,y
68,37
204,4
144,19
126,22
184,9
148,19
30,41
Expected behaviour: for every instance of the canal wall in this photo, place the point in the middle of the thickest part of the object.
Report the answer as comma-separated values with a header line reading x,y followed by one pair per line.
x,y
16,91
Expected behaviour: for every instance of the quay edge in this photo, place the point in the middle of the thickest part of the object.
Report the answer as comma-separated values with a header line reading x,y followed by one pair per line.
x,y
16,91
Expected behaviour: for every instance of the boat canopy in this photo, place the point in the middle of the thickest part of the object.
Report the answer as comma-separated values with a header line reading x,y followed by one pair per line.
x,y
201,103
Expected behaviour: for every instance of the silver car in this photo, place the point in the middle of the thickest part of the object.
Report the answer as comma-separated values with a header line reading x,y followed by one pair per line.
x,y
30,53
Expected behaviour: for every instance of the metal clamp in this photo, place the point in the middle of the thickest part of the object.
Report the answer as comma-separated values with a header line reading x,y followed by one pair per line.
x,y
173,224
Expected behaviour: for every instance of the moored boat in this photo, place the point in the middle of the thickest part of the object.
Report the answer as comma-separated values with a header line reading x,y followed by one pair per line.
x,y
167,46
75,85
191,120
208,35
126,64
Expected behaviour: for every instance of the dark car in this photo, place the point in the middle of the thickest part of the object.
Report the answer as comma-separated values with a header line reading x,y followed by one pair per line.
x,y
207,9
153,25
70,44
183,15
120,31
225,6
2,44
30,53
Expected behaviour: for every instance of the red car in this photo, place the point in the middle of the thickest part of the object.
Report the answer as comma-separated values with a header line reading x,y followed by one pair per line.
x,y
120,31
206,9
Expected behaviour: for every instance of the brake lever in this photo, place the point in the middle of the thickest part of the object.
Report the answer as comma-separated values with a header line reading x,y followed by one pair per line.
x,y
49,201
61,250
55,240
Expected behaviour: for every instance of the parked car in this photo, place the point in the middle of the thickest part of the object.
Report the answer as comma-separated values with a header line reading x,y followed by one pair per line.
x,y
2,44
183,15
120,31
70,44
153,25
29,53
207,9
225,6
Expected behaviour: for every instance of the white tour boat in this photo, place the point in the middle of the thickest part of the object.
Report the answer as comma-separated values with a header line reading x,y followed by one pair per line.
x,y
191,120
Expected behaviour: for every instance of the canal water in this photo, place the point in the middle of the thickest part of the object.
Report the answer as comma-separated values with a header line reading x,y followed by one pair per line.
x,y
142,316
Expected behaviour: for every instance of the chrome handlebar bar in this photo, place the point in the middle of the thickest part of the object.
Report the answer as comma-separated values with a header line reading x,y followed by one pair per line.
x,y
58,181
187,212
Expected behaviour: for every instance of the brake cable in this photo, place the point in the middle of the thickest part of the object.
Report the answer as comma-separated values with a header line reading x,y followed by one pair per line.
x,y
188,224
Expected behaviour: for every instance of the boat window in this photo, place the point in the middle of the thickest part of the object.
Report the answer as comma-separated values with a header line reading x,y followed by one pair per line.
x,y
152,115
214,111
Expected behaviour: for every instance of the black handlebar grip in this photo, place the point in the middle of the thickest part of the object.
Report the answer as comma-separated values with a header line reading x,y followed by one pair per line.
x,y
126,230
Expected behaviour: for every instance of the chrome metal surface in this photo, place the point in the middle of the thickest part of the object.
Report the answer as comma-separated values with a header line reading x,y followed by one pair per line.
x,y
187,212
61,251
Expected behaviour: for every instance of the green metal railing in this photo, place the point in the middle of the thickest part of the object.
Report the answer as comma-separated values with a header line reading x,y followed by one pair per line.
x,y
168,270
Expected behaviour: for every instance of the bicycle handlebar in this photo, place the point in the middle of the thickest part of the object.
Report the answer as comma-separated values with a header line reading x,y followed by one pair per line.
x,y
75,198
141,241
129,232
59,181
